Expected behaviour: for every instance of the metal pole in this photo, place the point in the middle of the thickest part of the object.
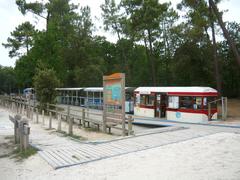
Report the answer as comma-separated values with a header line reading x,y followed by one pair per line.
x,y
223,113
226,107
209,111
123,105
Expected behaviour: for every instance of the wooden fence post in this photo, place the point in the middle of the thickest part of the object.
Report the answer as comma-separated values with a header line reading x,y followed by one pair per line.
x,y
16,128
37,115
68,114
130,120
26,132
50,120
59,118
83,117
43,117
70,126
31,114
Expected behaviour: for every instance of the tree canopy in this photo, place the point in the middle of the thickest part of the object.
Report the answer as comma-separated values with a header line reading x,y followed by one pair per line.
x,y
154,47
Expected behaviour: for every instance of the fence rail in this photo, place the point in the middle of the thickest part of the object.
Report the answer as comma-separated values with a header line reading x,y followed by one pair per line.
x,y
83,116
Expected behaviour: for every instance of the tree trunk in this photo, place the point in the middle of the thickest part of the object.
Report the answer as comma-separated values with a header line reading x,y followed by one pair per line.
x,y
225,32
215,57
47,20
148,56
27,45
151,59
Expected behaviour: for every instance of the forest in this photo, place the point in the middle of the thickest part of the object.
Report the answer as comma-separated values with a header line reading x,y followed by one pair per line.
x,y
155,45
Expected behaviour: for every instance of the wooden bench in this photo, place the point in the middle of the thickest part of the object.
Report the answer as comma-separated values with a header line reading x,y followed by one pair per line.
x,y
98,124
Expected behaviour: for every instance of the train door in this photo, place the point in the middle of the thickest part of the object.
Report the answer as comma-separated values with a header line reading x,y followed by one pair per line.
x,y
160,110
158,103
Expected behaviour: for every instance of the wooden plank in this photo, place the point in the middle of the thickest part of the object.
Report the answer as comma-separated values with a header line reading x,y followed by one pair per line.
x,y
108,151
48,159
87,154
47,155
124,148
93,151
130,144
104,150
59,159
80,154
66,156
110,148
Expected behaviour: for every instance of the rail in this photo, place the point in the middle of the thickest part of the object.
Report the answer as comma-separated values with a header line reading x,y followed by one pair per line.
x,y
82,116
224,108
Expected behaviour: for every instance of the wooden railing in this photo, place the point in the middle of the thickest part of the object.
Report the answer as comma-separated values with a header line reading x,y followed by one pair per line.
x,y
224,107
84,117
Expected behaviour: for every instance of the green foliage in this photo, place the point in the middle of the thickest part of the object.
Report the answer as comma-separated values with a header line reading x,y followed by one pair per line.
x,y
45,82
153,48
22,38
7,80
30,151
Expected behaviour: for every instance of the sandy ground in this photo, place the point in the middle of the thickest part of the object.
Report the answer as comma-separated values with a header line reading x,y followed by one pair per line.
x,y
233,114
211,157
203,158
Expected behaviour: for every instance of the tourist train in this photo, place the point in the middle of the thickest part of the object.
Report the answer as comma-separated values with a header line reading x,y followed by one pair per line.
x,y
185,104
91,97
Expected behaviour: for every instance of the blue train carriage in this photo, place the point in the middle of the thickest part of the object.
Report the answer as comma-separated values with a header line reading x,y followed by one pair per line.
x,y
94,98
70,96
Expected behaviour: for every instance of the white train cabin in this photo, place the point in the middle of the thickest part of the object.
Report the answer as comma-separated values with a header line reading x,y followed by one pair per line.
x,y
185,104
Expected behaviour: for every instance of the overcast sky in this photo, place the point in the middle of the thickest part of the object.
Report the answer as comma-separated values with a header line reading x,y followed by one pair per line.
x,y
11,18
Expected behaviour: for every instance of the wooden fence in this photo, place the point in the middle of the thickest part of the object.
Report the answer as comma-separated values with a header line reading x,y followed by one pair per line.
x,y
83,117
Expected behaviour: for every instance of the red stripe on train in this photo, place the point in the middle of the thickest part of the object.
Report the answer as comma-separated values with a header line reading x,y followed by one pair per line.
x,y
195,111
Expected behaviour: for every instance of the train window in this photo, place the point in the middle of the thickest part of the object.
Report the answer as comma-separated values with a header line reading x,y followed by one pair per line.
x,y
186,102
142,99
150,100
173,102
197,102
137,99
206,100
147,100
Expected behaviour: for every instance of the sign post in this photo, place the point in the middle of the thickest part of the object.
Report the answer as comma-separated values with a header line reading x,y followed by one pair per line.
x,y
114,100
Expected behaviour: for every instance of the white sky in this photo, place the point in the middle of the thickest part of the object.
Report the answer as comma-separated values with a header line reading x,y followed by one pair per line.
x,y
11,18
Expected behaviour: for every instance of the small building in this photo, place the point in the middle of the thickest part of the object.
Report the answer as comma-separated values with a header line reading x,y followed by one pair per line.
x,y
185,104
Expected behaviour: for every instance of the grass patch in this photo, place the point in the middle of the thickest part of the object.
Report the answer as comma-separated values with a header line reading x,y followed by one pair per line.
x,y
17,153
91,129
4,155
9,137
72,136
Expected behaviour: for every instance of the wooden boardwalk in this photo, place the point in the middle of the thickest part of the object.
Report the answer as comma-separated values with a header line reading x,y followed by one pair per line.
x,y
78,153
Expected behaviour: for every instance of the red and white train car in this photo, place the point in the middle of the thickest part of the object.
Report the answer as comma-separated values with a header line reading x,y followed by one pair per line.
x,y
185,104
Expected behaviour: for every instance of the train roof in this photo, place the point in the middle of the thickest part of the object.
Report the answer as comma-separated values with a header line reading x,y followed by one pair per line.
x,y
169,90
94,89
69,89
100,89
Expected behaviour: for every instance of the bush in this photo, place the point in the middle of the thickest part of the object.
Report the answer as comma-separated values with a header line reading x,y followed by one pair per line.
x,y
45,82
